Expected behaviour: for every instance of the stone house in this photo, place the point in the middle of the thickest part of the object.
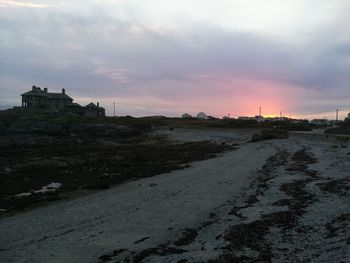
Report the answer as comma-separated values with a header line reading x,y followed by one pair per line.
x,y
91,110
38,98
42,99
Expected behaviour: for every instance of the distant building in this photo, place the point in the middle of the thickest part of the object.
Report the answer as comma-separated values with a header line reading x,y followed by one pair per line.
x,y
320,122
276,119
38,98
259,118
245,118
335,122
92,110
347,119
296,121
202,116
186,115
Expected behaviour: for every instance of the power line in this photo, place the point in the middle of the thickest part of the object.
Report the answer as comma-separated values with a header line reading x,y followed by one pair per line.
x,y
322,112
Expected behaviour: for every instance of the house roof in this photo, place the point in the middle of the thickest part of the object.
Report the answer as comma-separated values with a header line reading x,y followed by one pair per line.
x,y
39,92
91,105
58,96
34,93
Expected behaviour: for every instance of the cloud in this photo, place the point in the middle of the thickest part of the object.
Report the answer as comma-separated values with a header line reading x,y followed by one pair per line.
x,y
118,75
113,50
9,3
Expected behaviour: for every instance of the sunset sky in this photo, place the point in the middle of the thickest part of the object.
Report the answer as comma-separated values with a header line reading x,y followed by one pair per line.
x,y
160,57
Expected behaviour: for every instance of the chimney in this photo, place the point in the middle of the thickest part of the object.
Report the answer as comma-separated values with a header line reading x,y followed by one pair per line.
x,y
63,91
45,90
98,104
33,87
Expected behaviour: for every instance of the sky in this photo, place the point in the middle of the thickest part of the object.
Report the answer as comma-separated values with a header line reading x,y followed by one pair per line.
x,y
162,57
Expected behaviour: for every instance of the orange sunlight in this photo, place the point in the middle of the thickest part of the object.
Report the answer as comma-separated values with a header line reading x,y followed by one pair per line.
x,y
274,98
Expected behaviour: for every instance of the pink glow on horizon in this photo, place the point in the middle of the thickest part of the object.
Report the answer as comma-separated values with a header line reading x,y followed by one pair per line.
x,y
216,97
244,97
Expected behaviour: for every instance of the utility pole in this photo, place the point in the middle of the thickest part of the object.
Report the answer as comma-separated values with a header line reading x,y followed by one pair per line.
x,y
336,116
260,111
281,114
113,109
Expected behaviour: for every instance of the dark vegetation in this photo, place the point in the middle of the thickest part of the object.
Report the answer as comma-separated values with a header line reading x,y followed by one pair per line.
x,y
269,134
15,118
343,129
11,116
236,124
82,154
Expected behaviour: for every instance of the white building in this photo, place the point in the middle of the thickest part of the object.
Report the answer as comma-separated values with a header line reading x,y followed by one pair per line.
x,y
320,122
259,118
202,116
245,118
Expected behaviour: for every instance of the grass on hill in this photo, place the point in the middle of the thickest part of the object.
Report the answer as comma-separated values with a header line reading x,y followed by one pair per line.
x,y
9,116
